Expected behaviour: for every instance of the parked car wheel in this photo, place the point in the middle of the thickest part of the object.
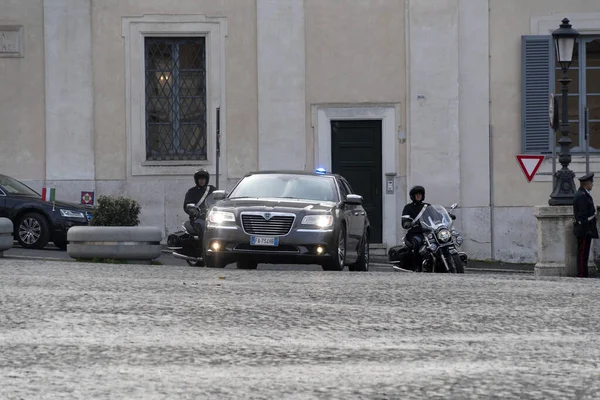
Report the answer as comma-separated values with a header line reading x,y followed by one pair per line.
x,y
338,259
362,264
33,231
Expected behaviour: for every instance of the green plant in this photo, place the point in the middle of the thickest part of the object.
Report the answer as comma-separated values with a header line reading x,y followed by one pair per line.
x,y
116,211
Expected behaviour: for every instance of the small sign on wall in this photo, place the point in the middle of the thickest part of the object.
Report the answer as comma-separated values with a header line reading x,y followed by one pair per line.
x,y
87,198
11,41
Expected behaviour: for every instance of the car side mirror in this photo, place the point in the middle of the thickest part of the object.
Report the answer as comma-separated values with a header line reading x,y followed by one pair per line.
x,y
453,217
190,207
453,206
354,199
219,195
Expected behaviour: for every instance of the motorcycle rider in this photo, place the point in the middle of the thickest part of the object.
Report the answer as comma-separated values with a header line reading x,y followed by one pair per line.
x,y
197,193
414,237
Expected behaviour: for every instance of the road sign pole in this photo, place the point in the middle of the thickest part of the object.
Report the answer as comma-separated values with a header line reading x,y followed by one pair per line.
x,y
587,139
218,144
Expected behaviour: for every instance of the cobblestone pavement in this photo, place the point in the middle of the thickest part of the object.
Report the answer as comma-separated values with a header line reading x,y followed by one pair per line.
x,y
81,331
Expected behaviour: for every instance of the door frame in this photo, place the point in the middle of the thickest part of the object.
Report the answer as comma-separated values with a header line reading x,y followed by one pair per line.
x,y
322,115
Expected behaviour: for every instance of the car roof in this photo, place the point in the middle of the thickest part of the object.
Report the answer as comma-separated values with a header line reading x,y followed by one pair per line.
x,y
291,172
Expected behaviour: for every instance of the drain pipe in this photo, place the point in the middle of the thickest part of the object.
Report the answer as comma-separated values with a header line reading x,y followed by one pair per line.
x,y
491,177
491,151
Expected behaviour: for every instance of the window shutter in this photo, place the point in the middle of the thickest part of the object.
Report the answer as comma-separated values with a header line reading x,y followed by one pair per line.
x,y
537,82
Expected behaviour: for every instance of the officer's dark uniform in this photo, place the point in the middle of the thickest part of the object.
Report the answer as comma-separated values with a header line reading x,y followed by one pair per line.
x,y
584,228
414,237
194,194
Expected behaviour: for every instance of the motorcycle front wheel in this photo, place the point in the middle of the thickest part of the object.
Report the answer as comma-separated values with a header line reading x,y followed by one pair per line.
x,y
456,264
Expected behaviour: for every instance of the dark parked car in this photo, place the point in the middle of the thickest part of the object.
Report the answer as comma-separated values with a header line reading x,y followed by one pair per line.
x,y
290,218
37,222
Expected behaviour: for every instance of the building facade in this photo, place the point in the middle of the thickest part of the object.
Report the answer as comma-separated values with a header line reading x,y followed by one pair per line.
x,y
128,98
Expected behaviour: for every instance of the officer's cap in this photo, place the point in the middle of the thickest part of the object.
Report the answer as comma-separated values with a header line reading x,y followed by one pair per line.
x,y
587,177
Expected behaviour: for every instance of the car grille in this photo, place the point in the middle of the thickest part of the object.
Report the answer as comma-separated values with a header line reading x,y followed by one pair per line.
x,y
276,226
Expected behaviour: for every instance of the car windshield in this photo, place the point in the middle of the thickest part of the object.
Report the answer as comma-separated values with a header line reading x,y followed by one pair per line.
x,y
435,216
306,187
13,186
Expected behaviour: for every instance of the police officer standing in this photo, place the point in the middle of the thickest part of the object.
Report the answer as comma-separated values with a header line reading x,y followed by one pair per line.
x,y
585,228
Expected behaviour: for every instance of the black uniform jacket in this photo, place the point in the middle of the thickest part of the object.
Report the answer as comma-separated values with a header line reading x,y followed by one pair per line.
x,y
195,193
412,210
585,215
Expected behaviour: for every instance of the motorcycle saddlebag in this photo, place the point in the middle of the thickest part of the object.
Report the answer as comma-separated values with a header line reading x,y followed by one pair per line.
x,y
175,241
400,255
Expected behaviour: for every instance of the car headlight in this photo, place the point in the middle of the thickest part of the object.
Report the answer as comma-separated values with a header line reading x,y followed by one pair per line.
x,y
322,221
444,235
219,217
72,214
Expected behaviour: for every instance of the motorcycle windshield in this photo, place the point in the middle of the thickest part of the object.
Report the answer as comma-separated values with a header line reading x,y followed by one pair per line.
x,y
436,216
208,202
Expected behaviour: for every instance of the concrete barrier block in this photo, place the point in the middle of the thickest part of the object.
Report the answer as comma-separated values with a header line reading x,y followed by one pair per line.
x,y
114,242
6,235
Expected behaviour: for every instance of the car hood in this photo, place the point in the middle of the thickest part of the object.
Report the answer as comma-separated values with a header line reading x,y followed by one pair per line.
x,y
61,204
270,204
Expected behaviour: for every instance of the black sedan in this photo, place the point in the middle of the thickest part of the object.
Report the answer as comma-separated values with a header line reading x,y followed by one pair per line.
x,y
37,222
289,218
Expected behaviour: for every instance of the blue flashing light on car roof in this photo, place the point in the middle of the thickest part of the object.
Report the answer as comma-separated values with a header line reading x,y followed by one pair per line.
x,y
321,170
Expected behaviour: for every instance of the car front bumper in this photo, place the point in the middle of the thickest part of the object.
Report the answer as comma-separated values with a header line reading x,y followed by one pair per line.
x,y
299,246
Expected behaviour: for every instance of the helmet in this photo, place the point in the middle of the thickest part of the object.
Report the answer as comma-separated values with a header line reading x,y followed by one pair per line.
x,y
201,173
415,190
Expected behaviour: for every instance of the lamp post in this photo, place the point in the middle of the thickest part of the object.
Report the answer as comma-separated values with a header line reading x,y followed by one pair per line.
x,y
564,183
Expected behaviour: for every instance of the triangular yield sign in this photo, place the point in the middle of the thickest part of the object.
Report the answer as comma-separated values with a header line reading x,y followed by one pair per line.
x,y
530,164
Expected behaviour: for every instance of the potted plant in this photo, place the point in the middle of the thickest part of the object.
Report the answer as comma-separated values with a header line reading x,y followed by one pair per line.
x,y
114,233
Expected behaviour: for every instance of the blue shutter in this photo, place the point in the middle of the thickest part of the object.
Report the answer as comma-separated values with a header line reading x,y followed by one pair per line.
x,y
537,82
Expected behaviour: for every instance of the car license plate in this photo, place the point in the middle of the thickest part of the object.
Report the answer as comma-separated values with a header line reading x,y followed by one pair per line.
x,y
264,241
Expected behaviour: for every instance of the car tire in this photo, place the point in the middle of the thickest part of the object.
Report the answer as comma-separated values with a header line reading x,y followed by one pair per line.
x,y
338,260
33,231
362,264
61,244
246,264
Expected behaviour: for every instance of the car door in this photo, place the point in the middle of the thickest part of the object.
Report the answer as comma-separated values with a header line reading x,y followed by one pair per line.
x,y
351,219
3,205
358,215
347,210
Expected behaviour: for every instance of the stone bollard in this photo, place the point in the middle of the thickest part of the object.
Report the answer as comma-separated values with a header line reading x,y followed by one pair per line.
x,y
134,243
557,245
6,235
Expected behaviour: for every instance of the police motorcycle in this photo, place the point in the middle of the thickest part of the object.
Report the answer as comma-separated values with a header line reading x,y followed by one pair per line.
x,y
441,250
186,244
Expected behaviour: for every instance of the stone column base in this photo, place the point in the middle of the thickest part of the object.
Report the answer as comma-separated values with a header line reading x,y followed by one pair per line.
x,y
557,246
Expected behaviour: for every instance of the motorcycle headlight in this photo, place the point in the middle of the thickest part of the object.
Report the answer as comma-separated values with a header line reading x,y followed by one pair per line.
x,y
459,240
322,221
72,214
219,217
444,235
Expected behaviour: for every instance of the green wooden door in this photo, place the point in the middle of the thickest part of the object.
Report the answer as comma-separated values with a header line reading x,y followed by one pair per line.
x,y
356,155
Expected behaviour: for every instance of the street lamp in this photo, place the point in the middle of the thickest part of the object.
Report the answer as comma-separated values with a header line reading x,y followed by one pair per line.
x,y
564,184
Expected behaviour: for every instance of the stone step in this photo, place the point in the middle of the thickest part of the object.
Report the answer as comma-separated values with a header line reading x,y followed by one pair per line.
x,y
377,249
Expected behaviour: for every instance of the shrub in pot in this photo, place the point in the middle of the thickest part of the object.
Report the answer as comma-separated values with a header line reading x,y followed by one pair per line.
x,y
116,211
114,234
